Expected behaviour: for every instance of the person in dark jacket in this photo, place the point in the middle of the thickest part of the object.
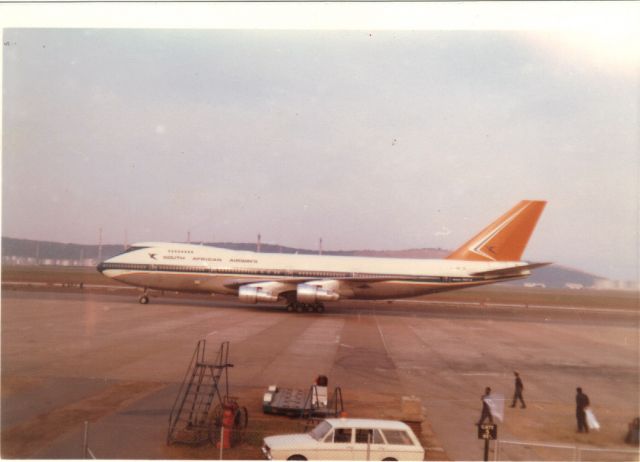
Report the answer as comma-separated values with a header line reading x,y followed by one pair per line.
x,y
582,402
486,410
517,394
633,436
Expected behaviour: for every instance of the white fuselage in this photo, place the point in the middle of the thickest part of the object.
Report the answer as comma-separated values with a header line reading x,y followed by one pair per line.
x,y
199,268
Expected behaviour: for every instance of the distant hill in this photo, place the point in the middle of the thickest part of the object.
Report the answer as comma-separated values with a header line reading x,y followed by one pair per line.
x,y
25,251
559,276
44,250
411,253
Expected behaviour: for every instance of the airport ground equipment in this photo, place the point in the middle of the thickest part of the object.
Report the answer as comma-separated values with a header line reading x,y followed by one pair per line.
x,y
314,403
229,422
201,408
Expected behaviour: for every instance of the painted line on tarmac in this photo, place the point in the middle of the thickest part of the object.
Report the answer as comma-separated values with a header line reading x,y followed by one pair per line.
x,y
511,305
384,344
494,374
73,285
27,284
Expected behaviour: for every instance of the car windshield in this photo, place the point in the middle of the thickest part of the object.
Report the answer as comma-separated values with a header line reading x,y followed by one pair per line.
x,y
320,431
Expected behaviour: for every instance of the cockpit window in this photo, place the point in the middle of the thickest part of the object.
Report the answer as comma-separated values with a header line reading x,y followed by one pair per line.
x,y
132,248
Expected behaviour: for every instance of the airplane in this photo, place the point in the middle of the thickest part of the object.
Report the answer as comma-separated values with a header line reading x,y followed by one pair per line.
x,y
305,282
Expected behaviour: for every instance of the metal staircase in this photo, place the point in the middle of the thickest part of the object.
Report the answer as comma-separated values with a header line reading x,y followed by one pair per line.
x,y
191,420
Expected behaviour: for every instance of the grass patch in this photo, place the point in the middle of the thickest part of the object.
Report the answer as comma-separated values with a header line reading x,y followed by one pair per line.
x,y
73,275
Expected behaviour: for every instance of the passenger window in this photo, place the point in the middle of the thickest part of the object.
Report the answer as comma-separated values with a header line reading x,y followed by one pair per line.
x,y
362,435
397,437
342,435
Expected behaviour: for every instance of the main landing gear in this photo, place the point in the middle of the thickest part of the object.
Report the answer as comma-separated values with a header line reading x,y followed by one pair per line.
x,y
144,298
305,307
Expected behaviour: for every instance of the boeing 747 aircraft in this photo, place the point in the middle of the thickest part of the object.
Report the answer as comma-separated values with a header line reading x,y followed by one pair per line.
x,y
304,282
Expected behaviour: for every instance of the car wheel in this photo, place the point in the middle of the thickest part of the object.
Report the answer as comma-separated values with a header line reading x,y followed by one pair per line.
x,y
389,458
297,457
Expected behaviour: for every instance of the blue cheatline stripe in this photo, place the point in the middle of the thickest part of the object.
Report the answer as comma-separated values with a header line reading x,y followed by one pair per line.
x,y
281,273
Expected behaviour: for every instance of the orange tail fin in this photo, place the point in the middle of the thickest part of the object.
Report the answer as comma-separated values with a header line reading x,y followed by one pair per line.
x,y
505,238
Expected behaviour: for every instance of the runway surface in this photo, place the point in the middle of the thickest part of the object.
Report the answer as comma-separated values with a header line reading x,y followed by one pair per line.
x,y
70,357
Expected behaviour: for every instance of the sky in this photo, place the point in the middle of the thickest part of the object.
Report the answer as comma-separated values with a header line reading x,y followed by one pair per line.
x,y
369,138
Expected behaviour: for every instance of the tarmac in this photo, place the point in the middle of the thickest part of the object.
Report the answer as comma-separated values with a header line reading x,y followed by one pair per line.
x,y
73,357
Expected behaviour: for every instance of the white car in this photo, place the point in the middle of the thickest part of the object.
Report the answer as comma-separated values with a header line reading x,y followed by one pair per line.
x,y
347,439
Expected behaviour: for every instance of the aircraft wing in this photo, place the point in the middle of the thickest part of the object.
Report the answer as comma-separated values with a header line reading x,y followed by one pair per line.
x,y
356,278
234,284
512,271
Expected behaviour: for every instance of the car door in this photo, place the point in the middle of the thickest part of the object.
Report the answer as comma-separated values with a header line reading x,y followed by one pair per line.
x,y
401,446
368,444
337,445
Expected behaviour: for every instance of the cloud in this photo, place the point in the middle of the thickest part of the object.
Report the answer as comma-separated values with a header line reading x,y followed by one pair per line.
x,y
444,231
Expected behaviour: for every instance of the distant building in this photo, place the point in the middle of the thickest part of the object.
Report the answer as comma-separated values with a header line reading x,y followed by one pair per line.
x,y
574,286
604,284
535,284
629,285
608,284
31,261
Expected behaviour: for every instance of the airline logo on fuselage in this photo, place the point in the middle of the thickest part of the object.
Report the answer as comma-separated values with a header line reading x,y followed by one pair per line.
x,y
211,259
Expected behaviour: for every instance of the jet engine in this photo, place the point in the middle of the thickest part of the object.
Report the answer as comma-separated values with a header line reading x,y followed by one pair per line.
x,y
306,293
255,294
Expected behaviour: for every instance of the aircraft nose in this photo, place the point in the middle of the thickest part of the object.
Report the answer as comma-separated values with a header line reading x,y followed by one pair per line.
x,y
100,267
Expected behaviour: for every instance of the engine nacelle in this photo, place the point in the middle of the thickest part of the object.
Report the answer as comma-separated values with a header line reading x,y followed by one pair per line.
x,y
306,293
255,294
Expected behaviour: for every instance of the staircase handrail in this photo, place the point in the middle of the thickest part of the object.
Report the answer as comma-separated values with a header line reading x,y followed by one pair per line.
x,y
194,359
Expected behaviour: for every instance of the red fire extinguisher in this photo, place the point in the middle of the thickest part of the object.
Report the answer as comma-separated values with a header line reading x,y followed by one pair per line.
x,y
228,415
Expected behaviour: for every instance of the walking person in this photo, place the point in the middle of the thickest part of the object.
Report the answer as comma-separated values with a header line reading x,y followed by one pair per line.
x,y
486,410
582,402
517,394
